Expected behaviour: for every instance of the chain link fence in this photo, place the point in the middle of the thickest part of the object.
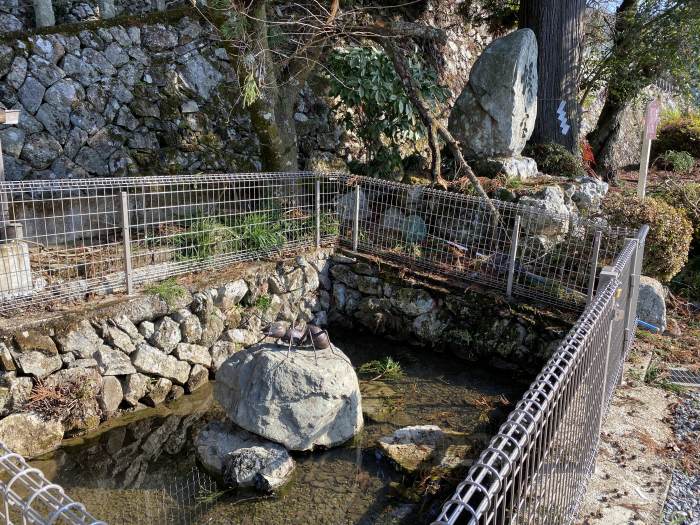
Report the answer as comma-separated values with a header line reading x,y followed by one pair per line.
x,y
27,497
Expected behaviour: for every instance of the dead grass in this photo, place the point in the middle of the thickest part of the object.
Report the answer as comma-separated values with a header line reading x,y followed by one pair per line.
x,y
64,402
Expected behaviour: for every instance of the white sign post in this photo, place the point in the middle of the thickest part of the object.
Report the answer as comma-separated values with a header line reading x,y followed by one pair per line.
x,y
651,121
9,117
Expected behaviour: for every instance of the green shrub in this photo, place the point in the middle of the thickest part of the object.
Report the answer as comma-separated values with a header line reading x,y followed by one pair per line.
x,y
685,197
677,161
670,231
678,133
555,159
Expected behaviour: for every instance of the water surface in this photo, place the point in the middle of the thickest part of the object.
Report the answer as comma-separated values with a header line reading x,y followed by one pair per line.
x,y
141,468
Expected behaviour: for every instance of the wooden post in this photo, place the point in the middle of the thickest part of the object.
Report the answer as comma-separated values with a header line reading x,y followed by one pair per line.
x,y
651,121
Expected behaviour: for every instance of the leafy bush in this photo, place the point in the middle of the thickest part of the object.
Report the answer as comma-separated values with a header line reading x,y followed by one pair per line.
x,y
169,290
678,133
555,159
677,161
685,197
374,105
670,231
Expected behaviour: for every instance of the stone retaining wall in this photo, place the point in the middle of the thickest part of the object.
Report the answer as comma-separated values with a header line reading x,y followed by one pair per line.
x,y
158,346
146,350
475,325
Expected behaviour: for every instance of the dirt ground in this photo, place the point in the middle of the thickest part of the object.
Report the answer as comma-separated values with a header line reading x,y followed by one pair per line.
x,y
633,468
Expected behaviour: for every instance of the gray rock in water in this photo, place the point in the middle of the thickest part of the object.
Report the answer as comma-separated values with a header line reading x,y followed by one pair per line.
x,y
651,304
135,387
495,114
302,399
29,435
242,458
112,395
158,392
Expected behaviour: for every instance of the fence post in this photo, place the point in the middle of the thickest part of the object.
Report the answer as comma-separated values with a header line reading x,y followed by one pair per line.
x,y
318,211
356,220
43,13
513,254
631,316
594,265
127,243
106,8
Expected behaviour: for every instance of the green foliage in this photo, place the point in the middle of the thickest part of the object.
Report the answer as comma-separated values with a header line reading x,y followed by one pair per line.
x,y
499,15
555,159
374,105
685,197
263,302
670,231
252,232
385,368
678,133
205,238
168,290
260,231
677,161
644,41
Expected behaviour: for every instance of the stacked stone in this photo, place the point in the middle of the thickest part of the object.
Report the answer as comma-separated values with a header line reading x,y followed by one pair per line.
x,y
119,101
148,352
474,326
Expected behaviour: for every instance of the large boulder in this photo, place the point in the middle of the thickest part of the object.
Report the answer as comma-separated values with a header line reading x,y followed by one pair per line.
x,y
241,458
651,304
301,399
495,114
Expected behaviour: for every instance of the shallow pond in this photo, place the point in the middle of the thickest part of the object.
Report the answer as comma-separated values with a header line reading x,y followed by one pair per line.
x,y
141,468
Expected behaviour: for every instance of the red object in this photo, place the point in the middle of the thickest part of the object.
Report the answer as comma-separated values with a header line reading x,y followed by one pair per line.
x,y
652,118
588,158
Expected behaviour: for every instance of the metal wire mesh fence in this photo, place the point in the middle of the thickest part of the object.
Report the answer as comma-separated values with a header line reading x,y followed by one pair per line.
x,y
27,497
525,251
185,501
537,466
69,238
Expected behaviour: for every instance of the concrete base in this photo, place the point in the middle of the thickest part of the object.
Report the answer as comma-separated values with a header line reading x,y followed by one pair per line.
x,y
15,271
521,168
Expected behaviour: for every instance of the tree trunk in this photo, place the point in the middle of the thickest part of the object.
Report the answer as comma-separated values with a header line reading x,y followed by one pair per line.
x,y
558,27
603,137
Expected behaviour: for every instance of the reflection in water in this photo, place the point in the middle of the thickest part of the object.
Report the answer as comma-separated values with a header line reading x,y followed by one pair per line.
x,y
141,468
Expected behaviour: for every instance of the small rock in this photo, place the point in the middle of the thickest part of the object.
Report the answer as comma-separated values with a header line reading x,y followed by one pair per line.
x,y
176,392
146,329
166,334
651,303
221,351
193,354
199,376
31,340
135,387
242,458
112,395
81,340
152,361
111,362
28,435
158,392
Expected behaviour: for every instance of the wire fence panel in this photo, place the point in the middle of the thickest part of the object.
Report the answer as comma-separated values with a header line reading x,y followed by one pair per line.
x,y
27,497
65,239
554,260
536,468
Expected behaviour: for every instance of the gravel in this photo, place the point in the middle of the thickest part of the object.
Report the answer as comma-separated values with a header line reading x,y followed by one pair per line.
x,y
683,500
